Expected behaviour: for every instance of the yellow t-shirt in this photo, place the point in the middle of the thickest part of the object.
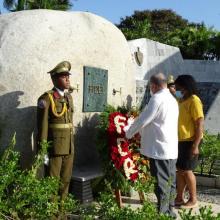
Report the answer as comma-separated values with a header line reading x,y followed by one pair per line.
x,y
190,110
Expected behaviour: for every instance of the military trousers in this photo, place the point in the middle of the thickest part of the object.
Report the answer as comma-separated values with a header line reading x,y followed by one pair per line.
x,y
61,166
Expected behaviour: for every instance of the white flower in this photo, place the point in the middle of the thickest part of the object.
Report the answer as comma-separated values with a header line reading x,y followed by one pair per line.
x,y
129,167
119,124
119,140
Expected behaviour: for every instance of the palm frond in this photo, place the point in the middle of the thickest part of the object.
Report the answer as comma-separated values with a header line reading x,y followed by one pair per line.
x,y
9,4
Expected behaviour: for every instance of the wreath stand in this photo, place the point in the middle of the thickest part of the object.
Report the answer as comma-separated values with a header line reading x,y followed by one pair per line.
x,y
119,199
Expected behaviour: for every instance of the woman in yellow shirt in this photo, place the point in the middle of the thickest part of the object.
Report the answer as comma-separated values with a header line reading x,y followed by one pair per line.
x,y
190,133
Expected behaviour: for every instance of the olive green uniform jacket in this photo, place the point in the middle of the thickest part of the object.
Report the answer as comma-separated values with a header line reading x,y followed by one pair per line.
x,y
58,130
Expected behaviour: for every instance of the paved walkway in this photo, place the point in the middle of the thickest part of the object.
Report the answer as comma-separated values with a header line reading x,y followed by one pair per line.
x,y
206,196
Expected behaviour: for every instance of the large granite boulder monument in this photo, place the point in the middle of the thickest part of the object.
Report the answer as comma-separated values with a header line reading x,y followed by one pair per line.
x,y
32,43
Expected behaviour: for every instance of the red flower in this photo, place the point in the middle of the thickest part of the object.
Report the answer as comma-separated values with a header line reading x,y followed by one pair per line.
x,y
112,129
119,148
134,176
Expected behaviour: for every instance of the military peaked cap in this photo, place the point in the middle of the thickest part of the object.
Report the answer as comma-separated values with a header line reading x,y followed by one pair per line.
x,y
170,80
60,68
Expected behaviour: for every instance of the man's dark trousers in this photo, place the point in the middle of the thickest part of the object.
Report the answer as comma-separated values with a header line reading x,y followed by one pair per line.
x,y
164,172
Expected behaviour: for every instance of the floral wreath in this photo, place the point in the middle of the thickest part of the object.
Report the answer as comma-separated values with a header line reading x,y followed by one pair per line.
x,y
124,153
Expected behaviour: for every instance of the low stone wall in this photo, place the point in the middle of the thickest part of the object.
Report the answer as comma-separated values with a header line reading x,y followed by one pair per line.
x,y
213,182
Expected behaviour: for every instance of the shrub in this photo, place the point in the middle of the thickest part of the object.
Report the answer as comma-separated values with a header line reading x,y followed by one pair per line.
x,y
205,213
22,194
108,209
209,153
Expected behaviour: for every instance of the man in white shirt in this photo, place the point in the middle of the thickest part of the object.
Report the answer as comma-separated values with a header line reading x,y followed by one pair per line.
x,y
157,125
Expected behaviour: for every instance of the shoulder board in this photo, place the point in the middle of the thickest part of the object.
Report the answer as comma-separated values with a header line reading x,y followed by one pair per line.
x,y
49,92
45,95
43,101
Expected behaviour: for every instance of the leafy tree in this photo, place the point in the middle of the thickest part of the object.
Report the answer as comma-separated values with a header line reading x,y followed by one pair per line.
x,y
138,29
63,5
195,40
215,51
160,22
19,5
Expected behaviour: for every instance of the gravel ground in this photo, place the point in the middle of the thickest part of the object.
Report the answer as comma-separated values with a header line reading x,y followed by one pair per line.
x,y
205,194
211,195
206,197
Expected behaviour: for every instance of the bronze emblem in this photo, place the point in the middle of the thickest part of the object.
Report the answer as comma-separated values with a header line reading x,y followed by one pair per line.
x,y
139,57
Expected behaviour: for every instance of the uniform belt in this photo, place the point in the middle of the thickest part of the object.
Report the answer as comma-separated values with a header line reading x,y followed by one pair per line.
x,y
68,125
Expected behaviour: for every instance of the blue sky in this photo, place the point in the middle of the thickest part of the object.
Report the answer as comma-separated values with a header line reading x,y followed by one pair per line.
x,y
113,10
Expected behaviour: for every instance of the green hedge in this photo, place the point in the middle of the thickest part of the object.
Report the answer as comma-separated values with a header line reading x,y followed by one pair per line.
x,y
23,195
209,155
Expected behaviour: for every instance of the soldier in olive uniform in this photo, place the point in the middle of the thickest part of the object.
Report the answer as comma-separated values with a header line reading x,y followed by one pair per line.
x,y
54,118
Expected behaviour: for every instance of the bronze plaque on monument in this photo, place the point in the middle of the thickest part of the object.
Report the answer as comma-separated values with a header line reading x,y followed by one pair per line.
x,y
95,89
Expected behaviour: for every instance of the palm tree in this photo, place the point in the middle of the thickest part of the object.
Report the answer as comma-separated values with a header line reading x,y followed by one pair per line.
x,y
19,5
62,5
